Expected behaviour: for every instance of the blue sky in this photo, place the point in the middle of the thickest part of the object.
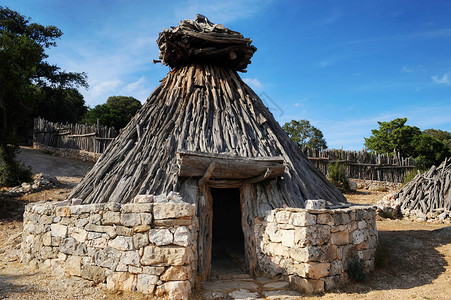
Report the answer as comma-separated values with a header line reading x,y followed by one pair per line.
x,y
343,65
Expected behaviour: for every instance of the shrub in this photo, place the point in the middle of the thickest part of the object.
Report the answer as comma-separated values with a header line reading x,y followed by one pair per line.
x,y
337,175
12,171
382,255
356,270
409,176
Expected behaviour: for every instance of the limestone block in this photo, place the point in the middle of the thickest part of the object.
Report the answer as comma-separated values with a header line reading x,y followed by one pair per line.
x,y
276,249
309,286
141,228
302,219
315,204
174,290
305,254
341,218
95,219
346,253
146,283
111,217
352,226
58,230
122,243
47,239
311,270
130,219
62,211
122,281
283,216
326,219
96,235
140,240
173,210
160,237
107,257
112,206
137,207
336,267
68,246
143,199
78,234
135,270
80,223
146,218
73,265
94,273
362,224
359,236
287,238
111,231
153,270
185,221
166,255
331,282
130,258
182,236
176,273
312,235
121,268
340,238
100,242
366,254
124,231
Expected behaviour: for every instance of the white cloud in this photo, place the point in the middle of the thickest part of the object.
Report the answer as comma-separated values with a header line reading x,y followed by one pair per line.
x,y
254,83
406,70
98,89
441,80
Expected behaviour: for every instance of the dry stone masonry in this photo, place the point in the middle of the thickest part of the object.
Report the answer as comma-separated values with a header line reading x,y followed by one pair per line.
x,y
151,247
312,248
147,247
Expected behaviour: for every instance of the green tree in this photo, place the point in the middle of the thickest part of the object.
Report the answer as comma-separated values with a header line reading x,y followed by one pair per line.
x,y
441,135
409,141
116,112
59,104
304,134
23,69
394,135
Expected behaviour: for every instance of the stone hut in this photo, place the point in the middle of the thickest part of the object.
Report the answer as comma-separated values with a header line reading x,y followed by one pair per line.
x,y
203,165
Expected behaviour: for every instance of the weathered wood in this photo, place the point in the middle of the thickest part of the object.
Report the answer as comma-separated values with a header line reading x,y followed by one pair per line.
x,y
228,167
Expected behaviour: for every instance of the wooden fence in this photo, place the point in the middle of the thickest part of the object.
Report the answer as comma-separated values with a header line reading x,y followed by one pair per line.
x,y
94,138
362,164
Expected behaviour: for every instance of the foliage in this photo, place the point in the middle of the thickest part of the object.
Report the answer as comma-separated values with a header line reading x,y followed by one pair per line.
x,y
23,69
426,148
59,104
441,135
356,270
12,171
304,134
336,173
116,112
409,176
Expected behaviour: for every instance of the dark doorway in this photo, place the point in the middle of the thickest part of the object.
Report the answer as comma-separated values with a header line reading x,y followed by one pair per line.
x,y
228,239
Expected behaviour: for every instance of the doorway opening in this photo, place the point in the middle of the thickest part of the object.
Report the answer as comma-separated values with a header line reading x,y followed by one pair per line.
x,y
228,256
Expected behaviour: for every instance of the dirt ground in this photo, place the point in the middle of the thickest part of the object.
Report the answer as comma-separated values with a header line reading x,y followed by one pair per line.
x,y
418,254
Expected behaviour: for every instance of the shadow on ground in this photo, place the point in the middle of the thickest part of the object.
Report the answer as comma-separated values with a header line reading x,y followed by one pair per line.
x,y
413,261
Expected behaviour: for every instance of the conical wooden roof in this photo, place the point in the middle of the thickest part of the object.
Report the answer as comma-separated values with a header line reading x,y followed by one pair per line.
x,y
201,108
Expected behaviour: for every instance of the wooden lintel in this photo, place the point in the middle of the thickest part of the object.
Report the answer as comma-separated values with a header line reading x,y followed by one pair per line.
x,y
259,178
195,164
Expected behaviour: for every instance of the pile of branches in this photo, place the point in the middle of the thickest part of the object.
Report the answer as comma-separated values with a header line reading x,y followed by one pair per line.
x,y
428,192
201,41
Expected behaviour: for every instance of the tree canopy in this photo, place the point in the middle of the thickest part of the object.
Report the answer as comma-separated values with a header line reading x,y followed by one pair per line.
x,y
304,134
409,141
23,70
116,112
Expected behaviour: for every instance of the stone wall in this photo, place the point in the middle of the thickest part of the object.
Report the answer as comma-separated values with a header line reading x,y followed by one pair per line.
x,y
312,248
147,247
69,153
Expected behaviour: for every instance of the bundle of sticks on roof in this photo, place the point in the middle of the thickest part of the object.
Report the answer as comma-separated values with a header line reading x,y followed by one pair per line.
x,y
200,40
428,192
